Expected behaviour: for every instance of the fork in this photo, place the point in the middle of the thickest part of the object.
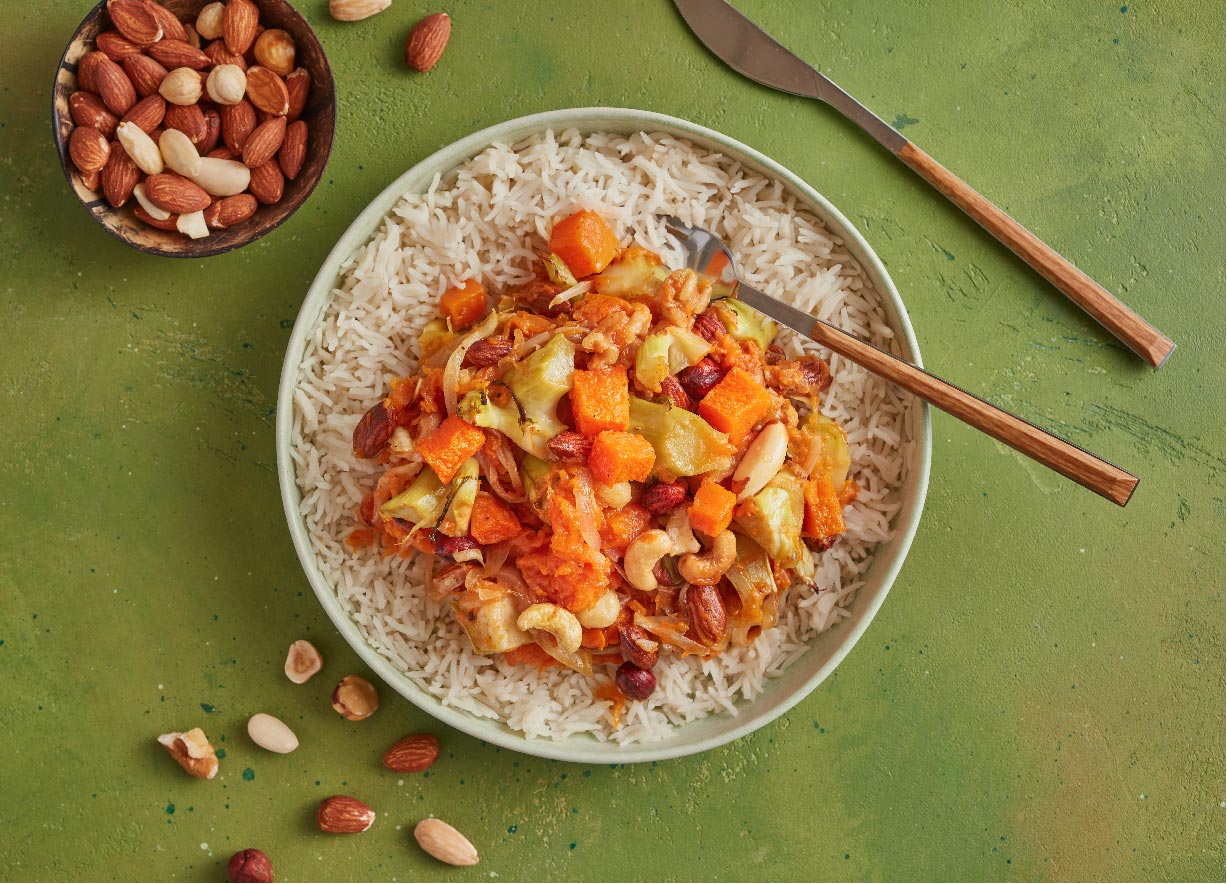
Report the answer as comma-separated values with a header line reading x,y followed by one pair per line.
x,y
706,253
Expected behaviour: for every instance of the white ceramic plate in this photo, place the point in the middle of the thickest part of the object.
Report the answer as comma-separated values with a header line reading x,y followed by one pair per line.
x,y
826,650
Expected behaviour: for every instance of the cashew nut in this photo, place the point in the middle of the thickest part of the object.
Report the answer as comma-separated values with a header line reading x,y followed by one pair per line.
x,y
680,533
604,611
642,555
616,496
557,621
762,460
708,568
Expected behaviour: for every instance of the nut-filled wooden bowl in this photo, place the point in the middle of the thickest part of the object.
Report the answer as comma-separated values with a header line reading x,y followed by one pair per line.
x,y
318,113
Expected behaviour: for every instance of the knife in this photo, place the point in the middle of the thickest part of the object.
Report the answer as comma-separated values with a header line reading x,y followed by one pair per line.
x,y
747,49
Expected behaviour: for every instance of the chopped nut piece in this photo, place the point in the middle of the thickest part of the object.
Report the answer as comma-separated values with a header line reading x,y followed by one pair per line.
x,y
355,698
302,662
193,752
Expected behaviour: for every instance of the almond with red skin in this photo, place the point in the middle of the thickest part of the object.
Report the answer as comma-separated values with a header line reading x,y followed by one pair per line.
x,y
115,45
172,28
570,447
699,379
707,325
92,180
664,497
638,647
293,150
88,149
487,352
87,71
88,110
672,390
230,210
250,866
237,122
298,87
133,19
119,176
171,223
373,431
267,91
147,113
250,55
239,22
342,815
220,55
188,119
412,754
706,613
145,73
267,183
114,87
178,54
427,41
174,193
264,142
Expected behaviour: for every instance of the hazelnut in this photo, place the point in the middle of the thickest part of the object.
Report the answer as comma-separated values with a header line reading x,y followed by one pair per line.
x,y
275,50
302,662
355,698
250,865
698,379
664,497
636,683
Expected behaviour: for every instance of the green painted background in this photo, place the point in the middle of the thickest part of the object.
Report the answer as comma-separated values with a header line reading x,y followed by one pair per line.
x,y
1040,697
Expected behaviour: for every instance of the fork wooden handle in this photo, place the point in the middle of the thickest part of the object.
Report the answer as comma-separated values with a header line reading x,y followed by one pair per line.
x,y
1135,332
1067,459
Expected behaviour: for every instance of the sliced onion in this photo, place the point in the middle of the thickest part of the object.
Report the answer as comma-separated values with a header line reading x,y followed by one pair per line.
x,y
588,509
580,288
447,581
580,661
496,555
451,374
397,478
666,631
506,460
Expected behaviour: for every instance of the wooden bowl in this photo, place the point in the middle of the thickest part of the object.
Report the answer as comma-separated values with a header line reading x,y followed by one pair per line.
x,y
319,114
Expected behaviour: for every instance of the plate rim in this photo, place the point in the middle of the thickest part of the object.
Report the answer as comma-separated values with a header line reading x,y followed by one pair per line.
x,y
315,302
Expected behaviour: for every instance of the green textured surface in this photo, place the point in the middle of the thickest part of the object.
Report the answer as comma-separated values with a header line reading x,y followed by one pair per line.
x,y
1040,697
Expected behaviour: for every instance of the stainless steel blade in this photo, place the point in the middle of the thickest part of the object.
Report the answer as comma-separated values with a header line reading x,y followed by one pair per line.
x,y
747,49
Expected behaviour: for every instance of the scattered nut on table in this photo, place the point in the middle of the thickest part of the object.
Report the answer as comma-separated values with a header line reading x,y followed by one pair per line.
x,y
444,843
271,733
355,698
193,752
302,661
250,865
343,815
412,754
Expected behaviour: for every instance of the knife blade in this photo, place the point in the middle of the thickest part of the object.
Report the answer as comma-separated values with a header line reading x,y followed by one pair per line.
x,y
747,49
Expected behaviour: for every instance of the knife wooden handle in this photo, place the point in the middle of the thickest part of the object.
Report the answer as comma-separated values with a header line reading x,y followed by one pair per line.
x,y
1135,332
1067,459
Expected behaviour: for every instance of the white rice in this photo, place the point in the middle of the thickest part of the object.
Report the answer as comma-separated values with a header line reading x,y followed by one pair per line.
x,y
489,219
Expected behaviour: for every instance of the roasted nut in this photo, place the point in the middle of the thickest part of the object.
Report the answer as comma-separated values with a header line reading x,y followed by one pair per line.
x,y
213,132
601,613
219,54
356,10
267,183
412,754
230,210
168,222
264,142
706,612
641,557
174,193
209,21
114,87
178,54
373,430
238,120
220,177
193,224
145,73
698,379
88,149
250,866
267,91
145,206
140,147
134,20
181,86
570,447
240,19
707,325
193,752
635,683
638,646
275,50
342,815
298,87
179,153
293,151
762,460
302,661
427,41
119,176
487,351
172,28
271,733
355,698
554,619
444,843
88,110
147,113
115,45
664,497
227,84
675,393
708,568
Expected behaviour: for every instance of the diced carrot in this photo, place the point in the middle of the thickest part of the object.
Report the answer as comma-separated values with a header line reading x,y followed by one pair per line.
x,y
463,305
450,445
584,242
400,394
492,521
849,492
532,654
529,323
621,457
735,405
823,514
712,509
600,400
624,525
573,585
599,639
359,538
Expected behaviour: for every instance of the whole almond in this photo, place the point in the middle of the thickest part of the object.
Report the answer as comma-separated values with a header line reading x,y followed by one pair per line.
x,y
174,193
193,752
219,54
293,150
87,71
239,21
170,222
116,46
141,147
179,153
181,86
222,177
178,54
147,113
264,142
209,20
444,843
230,210
356,10
227,84
427,41
114,87
119,177
213,131
172,28
133,19
145,73
88,110
237,122
92,180
267,91
88,149
267,183
250,54
707,615
266,731
342,815
412,754
188,119
298,86
275,50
